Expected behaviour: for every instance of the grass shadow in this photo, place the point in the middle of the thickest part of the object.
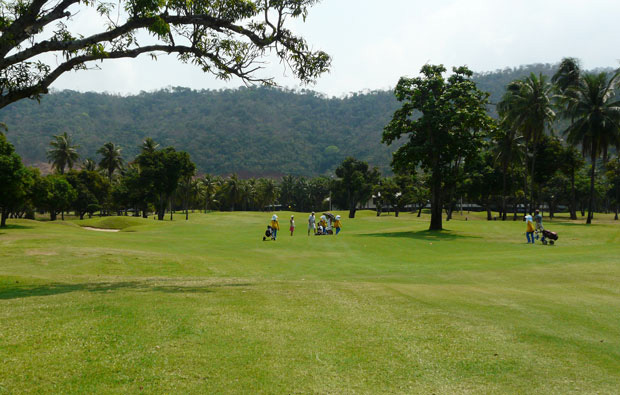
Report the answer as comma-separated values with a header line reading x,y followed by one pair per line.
x,y
15,226
437,235
17,291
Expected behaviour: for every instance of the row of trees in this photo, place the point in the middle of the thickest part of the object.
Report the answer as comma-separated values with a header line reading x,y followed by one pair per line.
x,y
160,180
451,138
150,183
453,151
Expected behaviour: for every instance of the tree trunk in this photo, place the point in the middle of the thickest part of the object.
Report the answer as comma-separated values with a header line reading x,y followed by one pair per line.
x,y
420,210
162,209
617,201
573,203
396,211
450,211
488,208
186,209
525,202
533,167
3,216
352,212
504,194
514,207
436,201
591,199
53,215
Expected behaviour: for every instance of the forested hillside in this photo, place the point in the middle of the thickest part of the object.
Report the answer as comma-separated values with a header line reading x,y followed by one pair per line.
x,y
249,131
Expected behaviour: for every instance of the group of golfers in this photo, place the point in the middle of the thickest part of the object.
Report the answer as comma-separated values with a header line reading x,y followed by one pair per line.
x,y
328,224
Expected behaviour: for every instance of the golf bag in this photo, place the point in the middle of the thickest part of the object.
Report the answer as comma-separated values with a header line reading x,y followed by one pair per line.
x,y
551,236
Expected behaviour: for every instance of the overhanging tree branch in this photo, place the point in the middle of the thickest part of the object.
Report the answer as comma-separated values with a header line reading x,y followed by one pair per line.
x,y
226,39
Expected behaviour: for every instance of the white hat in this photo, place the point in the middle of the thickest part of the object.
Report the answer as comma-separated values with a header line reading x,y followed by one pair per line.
x,y
337,217
292,216
323,217
275,217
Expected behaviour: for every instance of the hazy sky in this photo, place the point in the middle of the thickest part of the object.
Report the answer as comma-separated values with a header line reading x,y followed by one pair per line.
x,y
373,43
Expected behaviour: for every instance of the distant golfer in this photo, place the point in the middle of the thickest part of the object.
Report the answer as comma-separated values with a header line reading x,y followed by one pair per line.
x,y
311,224
337,224
539,225
292,224
275,226
529,231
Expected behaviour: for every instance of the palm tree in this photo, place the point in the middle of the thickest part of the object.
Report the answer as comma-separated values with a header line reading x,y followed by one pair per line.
x,y
507,148
232,190
149,145
527,108
209,185
89,165
63,153
268,192
567,77
111,158
595,115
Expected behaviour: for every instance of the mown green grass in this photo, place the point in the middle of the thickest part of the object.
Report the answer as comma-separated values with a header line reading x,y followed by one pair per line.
x,y
206,306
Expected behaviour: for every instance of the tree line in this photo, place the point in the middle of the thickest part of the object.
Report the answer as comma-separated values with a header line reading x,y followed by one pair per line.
x,y
450,151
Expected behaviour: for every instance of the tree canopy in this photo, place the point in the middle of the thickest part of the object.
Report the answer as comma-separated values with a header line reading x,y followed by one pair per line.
x,y
226,38
450,128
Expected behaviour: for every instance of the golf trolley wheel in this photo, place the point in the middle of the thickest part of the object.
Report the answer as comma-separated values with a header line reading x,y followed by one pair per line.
x,y
545,242
551,242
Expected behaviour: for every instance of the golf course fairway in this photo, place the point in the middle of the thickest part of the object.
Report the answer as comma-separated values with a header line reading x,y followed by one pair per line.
x,y
206,306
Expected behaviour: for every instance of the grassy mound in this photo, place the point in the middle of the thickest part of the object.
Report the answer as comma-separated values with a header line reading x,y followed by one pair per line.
x,y
121,223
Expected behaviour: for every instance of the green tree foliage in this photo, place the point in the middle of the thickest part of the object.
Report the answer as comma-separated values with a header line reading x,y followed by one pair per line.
x,y
613,177
225,38
54,194
507,146
451,127
63,153
111,158
527,108
91,189
570,163
11,178
550,152
483,180
592,107
253,132
354,184
161,171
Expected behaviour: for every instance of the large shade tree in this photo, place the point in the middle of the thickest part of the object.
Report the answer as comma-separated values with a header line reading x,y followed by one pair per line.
x,y
227,38
444,121
594,111
11,170
160,173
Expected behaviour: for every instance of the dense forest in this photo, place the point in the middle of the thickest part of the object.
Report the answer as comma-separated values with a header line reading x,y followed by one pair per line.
x,y
249,131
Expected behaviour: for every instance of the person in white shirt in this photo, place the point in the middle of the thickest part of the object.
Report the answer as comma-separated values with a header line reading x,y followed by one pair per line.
x,y
311,224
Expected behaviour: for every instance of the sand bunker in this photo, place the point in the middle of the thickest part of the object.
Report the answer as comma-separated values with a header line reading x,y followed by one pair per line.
x,y
100,229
